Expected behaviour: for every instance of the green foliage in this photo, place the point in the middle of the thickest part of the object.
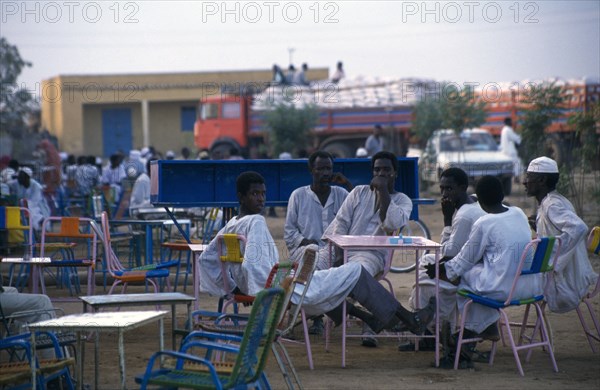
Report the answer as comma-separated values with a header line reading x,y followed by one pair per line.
x,y
451,109
15,103
289,127
579,175
543,105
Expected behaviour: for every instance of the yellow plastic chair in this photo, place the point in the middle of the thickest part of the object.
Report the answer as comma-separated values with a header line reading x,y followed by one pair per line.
x,y
17,221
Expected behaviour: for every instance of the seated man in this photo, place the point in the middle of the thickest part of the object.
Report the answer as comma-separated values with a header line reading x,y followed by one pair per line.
x,y
487,263
460,213
573,274
375,209
25,187
11,301
140,193
260,252
312,208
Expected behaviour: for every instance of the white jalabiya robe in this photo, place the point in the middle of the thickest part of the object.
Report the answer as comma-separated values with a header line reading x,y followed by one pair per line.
x,y
260,254
488,262
452,240
573,274
308,218
358,216
35,201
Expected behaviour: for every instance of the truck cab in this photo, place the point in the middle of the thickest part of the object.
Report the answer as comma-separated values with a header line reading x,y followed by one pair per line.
x,y
221,124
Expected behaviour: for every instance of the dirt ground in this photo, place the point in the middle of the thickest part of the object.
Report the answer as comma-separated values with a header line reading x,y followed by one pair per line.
x,y
385,367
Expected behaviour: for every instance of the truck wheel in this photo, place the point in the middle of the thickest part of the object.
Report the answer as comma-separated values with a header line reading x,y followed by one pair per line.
x,y
339,150
507,185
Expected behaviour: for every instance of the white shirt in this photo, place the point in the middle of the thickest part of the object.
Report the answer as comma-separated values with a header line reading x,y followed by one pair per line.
x,y
488,261
308,218
260,255
358,216
573,274
140,194
508,139
35,201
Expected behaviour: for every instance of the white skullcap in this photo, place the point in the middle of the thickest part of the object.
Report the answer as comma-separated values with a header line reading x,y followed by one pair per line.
x,y
361,152
542,165
285,156
170,154
28,171
145,151
134,154
63,156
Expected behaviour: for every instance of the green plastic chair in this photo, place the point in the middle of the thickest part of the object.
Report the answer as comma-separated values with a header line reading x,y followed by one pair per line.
x,y
190,370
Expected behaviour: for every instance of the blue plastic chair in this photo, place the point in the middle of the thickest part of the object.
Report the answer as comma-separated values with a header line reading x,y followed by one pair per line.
x,y
541,261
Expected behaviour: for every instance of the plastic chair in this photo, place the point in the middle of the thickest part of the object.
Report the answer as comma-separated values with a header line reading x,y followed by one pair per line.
x,y
541,261
593,246
230,250
116,270
71,228
17,374
193,371
18,219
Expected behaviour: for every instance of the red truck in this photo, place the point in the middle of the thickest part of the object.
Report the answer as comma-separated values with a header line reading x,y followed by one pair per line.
x,y
347,117
232,121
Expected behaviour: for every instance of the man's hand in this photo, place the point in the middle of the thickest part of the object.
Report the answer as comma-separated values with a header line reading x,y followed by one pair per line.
x,y
307,241
532,222
339,179
448,209
379,183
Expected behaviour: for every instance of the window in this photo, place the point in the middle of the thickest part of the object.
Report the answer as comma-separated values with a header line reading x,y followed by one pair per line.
x,y
188,117
231,110
209,111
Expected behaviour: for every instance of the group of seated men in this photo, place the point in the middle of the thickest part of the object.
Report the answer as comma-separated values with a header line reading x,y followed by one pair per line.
x,y
482,241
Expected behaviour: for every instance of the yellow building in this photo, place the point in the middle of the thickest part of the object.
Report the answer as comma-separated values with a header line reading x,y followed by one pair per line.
x,y
101,114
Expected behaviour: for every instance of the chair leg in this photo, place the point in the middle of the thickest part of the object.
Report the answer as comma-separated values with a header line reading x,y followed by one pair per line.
x,y
283,360
307,340
588,332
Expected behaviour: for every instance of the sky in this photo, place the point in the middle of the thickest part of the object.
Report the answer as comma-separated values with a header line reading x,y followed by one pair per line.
x,y
475,42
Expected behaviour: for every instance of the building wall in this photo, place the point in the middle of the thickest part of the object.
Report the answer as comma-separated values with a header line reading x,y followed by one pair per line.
x,y
72,104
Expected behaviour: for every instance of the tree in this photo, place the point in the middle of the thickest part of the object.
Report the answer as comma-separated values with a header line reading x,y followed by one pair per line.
x,y
543,105
16,104
451,109
289,126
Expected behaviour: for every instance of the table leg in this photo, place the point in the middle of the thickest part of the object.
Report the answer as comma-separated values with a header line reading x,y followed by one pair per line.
x,y
80,354
33,359
149,242
173,326
122,358
196,275
437,308
96,357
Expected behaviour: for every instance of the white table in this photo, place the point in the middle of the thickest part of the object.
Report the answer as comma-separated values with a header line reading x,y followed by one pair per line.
x,y
119,322
348,243
36,264
173,299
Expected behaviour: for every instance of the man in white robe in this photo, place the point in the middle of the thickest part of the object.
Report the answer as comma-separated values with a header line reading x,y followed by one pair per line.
x,y
573,274
311,208
376,209
508,141
487,263
460,212
25,187
260,253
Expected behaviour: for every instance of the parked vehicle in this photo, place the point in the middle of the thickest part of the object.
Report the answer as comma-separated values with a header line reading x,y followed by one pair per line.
x,y
474,150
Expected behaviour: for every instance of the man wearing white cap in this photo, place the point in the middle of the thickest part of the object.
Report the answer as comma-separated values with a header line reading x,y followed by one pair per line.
x,y
27,188
573,274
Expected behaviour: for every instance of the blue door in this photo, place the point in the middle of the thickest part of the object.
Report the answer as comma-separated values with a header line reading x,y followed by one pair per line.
x,y
116,130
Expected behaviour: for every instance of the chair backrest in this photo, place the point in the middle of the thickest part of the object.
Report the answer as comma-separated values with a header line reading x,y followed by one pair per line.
x,y
18,218
258,337
209,225
112,261
72,228
593,241
279,272
301,278
232,243
538,256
